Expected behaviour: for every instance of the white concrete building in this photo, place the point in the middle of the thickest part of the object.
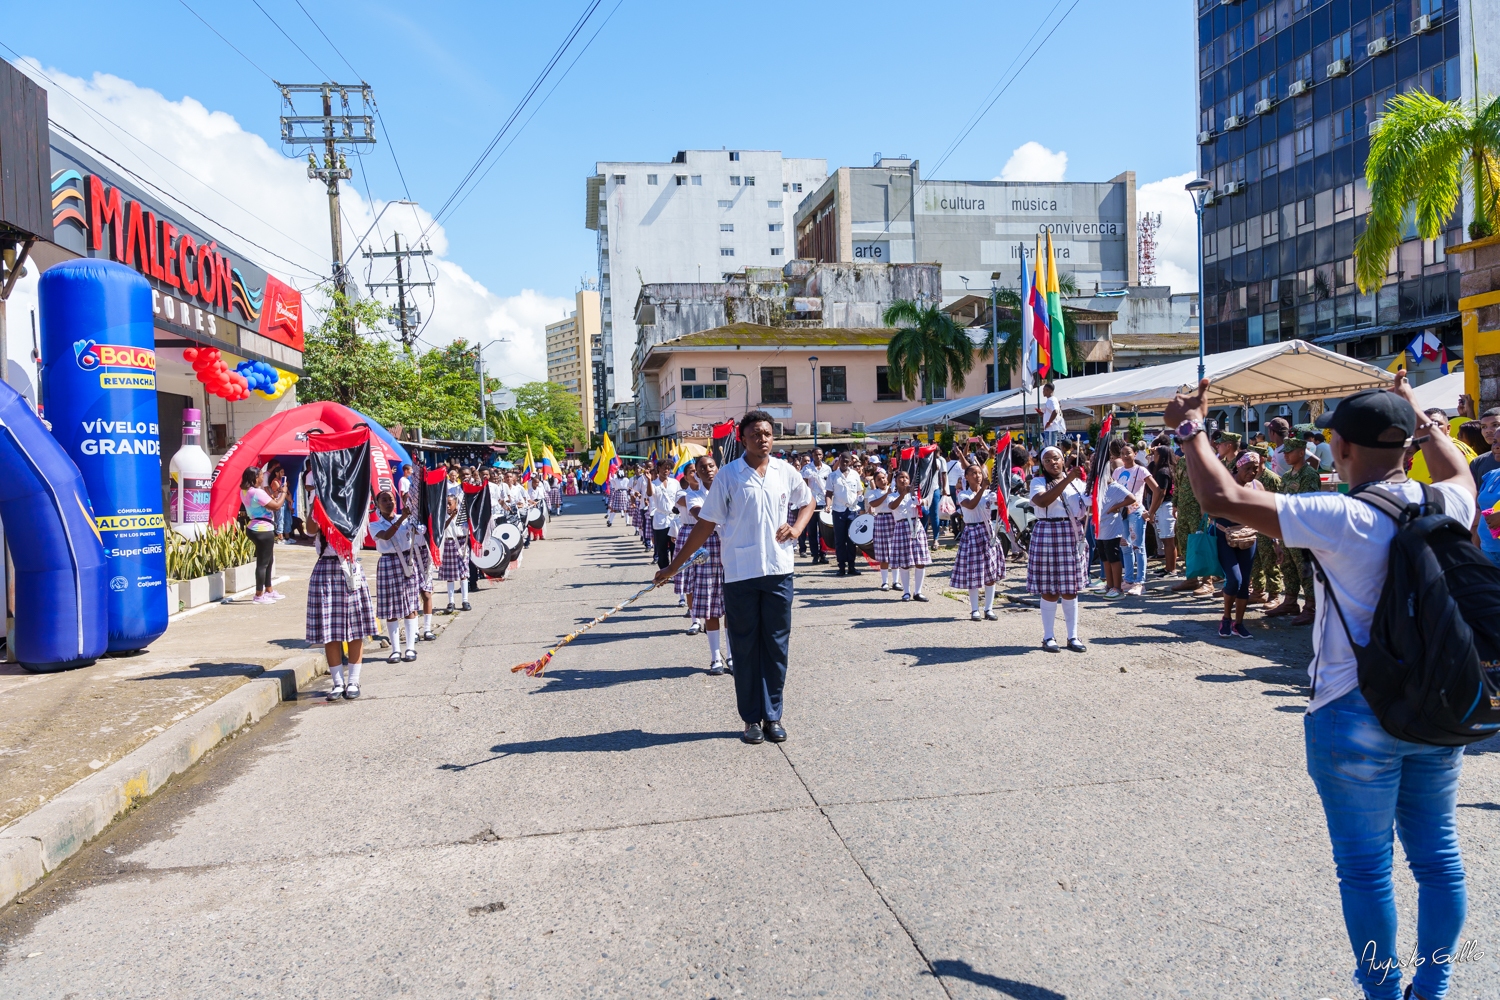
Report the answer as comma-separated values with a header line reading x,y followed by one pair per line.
x,y
700,217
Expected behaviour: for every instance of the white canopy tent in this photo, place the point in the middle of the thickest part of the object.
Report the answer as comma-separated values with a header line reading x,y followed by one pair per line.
x,y
921,417
1281,372
1065,391
1442,391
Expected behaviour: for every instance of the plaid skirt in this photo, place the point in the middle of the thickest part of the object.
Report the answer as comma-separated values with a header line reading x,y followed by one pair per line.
x,y
396,594
554,496
618,499
885,537
910,548
334,612
647,523
455,565
424,566
979,562
682,583
1052,563
707,584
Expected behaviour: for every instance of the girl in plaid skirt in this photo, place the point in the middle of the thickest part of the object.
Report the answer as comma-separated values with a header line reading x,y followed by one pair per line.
x,y
979,562
879,502
619,498
688,501
1053,569
909,555
339,611
707,593
455,565
397,595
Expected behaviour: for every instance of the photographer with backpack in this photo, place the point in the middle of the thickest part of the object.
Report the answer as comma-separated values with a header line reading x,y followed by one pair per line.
x,y
1369,780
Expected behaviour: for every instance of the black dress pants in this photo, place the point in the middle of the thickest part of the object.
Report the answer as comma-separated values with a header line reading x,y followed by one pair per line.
x,y
813,539
758,615
843,545
664,548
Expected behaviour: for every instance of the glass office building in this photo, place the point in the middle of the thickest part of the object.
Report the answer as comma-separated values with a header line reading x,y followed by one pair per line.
x,y
1288,91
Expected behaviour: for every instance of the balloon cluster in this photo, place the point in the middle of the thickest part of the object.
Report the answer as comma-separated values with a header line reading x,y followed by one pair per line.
x,y
284,381
259,376
208,364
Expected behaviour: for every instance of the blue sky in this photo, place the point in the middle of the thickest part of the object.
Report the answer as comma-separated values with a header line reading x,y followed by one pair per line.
x,y
1112,88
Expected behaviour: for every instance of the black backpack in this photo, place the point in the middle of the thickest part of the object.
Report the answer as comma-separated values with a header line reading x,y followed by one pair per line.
x,y
1431,672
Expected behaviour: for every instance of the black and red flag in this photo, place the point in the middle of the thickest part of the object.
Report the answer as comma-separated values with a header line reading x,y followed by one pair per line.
x,y
726,442
343,474
477,507
432,511
1099,474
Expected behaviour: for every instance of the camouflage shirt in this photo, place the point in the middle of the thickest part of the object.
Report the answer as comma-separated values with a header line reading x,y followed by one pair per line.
x,y
1303,480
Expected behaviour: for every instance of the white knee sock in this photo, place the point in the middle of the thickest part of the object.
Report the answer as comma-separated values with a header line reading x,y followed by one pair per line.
x,y
1049,618
919,572
713,644
973,599
411,633
463,589
885,575
609,519
903,580
1070,615
427,622
354,674
989,598
450,592
393,629
338,674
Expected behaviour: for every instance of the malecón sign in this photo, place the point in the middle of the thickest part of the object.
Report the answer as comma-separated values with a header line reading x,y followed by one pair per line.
x,y
96,215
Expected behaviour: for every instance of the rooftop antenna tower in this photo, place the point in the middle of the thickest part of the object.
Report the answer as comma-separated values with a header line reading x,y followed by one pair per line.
x,y
1145,248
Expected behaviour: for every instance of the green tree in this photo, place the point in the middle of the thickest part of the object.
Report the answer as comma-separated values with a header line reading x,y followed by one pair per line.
x,y
928,348
346,366
545,413
1423,153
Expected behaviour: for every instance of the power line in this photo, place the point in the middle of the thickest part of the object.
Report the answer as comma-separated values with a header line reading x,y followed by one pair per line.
x,y
226,41
593,5
320,69
335,48
541,104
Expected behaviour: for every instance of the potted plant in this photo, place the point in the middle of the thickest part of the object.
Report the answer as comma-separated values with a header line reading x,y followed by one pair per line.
x,y
236,554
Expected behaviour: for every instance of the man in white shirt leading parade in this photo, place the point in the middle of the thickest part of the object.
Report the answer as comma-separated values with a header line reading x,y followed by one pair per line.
x,y
748,503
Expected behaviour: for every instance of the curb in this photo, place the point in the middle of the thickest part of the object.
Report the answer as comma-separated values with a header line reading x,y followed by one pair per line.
x,y
40,841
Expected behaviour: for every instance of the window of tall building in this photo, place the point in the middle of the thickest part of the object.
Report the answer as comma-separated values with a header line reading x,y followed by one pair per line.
x,y
1210,244
774,227
725,203
774,204
726,227
773,385
681,180
697,180
1237,236
797,188
734,180
619,178
776,251
734,157
726,251
650,178
689,375
749,181
833,383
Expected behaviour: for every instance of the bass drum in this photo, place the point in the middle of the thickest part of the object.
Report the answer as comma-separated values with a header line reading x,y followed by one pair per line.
x,y
825,529
491,557
534,517
862,533
510,537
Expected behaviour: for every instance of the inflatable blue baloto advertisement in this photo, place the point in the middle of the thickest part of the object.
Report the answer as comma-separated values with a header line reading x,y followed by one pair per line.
x,y
99,393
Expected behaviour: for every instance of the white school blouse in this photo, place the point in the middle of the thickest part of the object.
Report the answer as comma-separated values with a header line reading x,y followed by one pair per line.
x,y
748,508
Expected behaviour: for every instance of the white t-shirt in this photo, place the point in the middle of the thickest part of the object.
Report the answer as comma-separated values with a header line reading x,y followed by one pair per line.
x,y
1072,502
1134,480
1352,542
1279,464
1052,409
748,508
981,512
664,495
955,473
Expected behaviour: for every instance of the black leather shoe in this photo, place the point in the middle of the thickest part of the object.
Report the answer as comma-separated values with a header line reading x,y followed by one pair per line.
x,y
752,733
774,731
1049,645
1075,646
854,572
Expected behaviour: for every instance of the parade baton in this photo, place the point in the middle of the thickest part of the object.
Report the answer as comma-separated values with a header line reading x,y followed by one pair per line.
x,y
535,667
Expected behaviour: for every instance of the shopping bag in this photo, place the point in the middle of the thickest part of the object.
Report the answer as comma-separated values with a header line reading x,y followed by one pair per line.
x,y
1202,559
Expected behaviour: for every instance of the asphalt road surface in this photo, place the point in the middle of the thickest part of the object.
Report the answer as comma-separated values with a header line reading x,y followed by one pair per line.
x,y
955,814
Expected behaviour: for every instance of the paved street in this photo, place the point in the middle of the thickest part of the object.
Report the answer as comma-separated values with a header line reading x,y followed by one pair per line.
x,y
956,814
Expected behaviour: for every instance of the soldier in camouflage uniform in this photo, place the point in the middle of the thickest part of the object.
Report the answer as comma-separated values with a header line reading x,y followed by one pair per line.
x,y
1189,518
1296,564
1265,575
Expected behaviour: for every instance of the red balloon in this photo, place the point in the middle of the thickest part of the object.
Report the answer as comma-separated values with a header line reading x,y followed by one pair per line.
x,y
190,354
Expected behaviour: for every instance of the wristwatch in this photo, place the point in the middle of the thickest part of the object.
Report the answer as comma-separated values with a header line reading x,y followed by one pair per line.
x,y
1188,428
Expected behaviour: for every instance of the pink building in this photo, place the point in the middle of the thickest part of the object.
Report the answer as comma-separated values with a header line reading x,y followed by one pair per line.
x,y
705,378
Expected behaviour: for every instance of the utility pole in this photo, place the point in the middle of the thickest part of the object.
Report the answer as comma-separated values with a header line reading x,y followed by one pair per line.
x,y
330,131
407,316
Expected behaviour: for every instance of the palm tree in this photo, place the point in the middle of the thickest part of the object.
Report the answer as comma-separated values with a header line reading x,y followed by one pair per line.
x,y
1010,329
928,348
1426,151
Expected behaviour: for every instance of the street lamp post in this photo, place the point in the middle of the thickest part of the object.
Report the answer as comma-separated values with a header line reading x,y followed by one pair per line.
x,y
812,363
995,323
1198,190
484,420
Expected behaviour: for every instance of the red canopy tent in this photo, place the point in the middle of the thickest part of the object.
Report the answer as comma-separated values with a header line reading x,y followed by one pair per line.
x,y
285,433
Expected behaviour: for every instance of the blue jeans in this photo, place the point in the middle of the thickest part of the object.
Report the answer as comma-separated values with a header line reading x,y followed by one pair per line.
x,y
1370,781
1135,547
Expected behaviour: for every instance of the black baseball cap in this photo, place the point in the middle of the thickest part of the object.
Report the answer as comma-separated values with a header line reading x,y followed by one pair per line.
x,y
1374,418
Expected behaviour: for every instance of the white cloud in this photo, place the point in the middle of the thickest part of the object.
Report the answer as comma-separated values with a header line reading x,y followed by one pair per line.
x,y
1032,161
212,164
1177,240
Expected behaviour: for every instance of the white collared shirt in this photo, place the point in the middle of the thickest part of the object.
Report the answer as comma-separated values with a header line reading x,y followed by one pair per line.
x,y
981,511
816,477
399,542
884,506
689,501
748,509
847,488
663,499
909,509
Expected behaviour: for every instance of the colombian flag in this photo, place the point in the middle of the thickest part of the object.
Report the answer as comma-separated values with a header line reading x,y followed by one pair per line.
x,y
684,454
1059,351
528,470
550,464
606,462
1036,302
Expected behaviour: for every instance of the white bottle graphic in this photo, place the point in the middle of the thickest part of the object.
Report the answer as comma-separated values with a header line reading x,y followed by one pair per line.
x,y
191,480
